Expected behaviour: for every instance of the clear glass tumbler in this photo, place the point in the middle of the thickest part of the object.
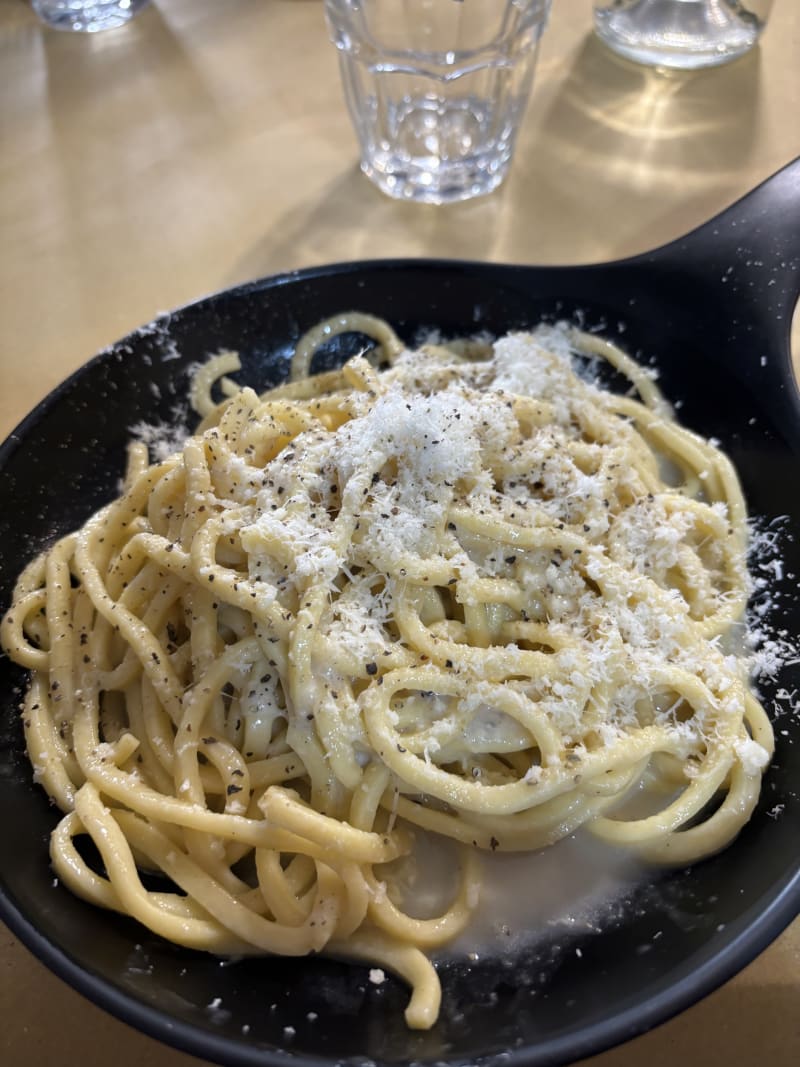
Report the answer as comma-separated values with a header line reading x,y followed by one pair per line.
x,y
436,89
683,34
87,16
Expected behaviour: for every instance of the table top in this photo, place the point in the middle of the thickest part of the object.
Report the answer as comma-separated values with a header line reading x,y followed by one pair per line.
x,y
206,144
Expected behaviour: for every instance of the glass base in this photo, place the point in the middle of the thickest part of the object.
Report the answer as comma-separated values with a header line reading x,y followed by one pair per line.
x,y
681,34
425,186
84,16
436,150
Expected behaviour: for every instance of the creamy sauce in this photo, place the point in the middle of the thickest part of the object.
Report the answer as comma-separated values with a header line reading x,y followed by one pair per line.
x,y
524,896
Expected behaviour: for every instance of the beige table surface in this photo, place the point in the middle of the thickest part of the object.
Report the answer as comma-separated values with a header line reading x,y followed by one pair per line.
x,y
207,143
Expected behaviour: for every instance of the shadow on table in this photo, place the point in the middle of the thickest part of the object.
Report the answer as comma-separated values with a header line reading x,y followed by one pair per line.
x,y
624,150
653,124
351,221
122,104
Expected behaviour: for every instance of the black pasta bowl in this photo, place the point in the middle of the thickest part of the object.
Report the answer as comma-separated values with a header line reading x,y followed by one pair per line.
x,y
712,311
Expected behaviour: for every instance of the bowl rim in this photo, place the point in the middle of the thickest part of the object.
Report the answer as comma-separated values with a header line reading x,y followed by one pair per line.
x,y
759,927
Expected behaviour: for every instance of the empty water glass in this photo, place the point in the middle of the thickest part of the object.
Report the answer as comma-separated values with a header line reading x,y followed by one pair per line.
x,y
684,34
87,16
436,89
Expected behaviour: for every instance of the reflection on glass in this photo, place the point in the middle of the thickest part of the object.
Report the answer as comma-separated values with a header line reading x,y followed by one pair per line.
x,y
685,34
87,16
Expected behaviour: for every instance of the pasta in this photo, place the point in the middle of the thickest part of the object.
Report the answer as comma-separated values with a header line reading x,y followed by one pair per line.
x,y
461,590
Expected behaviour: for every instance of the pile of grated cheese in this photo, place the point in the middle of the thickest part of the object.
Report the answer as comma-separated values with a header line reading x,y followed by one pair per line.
x,y
442,438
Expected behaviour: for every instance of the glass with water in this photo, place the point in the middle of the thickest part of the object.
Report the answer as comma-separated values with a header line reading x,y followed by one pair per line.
x,y
436,89
87,16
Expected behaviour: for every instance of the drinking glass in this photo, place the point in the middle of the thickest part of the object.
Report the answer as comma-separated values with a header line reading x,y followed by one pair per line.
x,y
436,89
685,34
87,16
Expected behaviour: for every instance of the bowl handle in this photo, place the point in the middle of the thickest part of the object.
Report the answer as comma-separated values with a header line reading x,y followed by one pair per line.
x,y
749,256
735,281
